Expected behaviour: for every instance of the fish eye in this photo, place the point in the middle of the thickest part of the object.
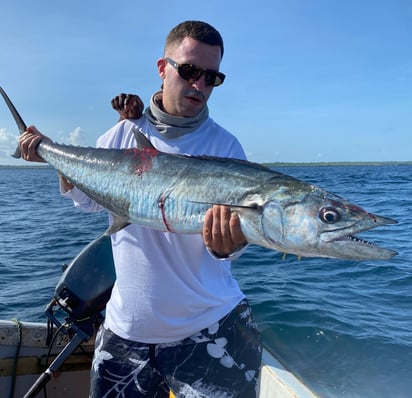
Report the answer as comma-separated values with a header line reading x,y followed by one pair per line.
x,y
329,215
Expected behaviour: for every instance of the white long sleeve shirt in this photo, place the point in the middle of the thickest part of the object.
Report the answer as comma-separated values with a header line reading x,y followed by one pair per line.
x,y
168,286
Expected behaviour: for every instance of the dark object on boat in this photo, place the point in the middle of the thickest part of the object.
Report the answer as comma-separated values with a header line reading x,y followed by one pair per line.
x,y
86,284
82,292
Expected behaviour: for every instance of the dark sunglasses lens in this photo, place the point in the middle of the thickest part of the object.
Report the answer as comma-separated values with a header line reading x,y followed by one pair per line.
x,y
189,72
210,78
213,78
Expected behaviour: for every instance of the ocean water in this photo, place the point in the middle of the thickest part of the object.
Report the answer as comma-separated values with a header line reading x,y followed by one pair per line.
x,y
343,327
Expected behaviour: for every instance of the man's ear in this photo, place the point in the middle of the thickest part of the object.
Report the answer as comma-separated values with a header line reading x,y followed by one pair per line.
x,y
161,66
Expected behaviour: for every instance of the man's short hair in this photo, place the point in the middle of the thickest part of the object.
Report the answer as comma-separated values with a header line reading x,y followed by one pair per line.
x,y
197,30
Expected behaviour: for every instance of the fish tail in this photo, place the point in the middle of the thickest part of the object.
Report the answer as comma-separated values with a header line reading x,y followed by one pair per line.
x,y
18,119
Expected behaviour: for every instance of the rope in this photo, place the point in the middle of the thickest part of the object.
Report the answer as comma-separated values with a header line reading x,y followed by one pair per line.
x,y
16,356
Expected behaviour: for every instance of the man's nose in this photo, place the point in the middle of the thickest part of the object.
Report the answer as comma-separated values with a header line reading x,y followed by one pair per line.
x,y
200,84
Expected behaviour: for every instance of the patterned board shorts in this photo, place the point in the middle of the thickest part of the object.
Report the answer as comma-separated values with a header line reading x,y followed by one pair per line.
x,y
222,361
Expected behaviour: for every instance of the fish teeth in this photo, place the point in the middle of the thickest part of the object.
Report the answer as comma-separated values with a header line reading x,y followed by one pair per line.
x,y
359,240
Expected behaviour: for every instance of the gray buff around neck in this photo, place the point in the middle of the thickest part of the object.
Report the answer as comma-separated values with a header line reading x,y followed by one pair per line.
x,y
173,126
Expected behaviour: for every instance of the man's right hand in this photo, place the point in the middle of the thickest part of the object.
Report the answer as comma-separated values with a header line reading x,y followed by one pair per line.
x,y
28,142
129,106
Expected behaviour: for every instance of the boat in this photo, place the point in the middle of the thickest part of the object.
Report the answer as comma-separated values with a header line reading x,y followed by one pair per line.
x,y
56,355
24,352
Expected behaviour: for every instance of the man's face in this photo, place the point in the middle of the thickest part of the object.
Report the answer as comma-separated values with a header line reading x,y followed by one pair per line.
x,y
180,97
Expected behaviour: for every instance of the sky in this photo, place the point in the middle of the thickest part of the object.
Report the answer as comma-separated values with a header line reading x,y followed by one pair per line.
x,y
307,81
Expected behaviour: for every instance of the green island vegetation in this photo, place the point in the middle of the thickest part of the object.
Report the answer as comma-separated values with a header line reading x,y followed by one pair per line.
x,y
30,166
317,164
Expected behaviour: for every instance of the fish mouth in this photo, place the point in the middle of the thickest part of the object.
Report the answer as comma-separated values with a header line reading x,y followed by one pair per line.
x,y
345,244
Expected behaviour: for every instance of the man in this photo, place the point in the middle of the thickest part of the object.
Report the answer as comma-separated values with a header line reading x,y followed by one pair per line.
x,y
176,319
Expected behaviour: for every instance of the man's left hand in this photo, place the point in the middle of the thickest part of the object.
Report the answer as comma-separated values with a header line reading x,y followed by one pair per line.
x,y
221,231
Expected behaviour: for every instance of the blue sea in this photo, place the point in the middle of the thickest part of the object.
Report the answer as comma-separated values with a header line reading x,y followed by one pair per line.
x,y
343,327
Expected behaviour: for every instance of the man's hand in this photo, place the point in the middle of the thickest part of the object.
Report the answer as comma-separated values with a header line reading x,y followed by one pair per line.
x,y
221,231
28,142
129,106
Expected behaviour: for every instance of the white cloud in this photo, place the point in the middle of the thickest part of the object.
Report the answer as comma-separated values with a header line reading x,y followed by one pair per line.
x,y
75,137
8,143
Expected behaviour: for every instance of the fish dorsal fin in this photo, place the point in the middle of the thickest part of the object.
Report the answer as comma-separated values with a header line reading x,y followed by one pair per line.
x,y
141,140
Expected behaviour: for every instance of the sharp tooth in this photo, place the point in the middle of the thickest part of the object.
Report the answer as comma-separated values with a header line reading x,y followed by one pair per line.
x,y
358,240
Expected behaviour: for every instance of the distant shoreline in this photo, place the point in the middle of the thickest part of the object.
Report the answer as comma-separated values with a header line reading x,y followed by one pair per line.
x,y
267,164
13,166
306,164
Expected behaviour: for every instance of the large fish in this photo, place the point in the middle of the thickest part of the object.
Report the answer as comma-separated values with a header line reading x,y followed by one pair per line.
x,y
172,193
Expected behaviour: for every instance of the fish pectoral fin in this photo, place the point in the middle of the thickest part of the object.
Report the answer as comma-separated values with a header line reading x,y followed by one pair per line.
x,y
232,205
118,224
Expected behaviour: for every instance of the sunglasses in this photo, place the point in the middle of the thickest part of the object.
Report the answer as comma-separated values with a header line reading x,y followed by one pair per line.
x,y
193,73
